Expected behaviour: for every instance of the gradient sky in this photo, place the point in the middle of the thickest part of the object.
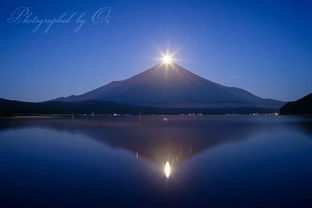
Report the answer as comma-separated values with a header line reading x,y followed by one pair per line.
x,y
262,46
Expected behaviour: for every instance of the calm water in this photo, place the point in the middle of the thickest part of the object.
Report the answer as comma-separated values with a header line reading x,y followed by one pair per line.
x,y
156,161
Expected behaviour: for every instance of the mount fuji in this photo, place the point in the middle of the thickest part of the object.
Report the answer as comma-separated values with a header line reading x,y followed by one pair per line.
x,y
172,86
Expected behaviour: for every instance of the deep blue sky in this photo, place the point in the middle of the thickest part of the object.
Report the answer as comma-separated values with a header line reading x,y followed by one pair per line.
x,y
262,46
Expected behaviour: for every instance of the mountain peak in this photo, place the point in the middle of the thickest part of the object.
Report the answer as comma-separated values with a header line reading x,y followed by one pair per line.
x,y
169,75
166,72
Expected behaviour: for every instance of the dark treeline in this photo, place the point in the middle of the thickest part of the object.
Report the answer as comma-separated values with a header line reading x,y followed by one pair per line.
x,y
303,106
11,108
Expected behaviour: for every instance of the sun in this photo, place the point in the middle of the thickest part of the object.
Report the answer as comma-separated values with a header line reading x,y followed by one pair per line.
x,y
167,58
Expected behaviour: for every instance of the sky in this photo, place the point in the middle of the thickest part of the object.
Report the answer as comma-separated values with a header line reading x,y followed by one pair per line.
x,y
264,47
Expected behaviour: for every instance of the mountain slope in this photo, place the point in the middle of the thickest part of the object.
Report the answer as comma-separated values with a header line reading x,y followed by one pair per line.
x,y
172,86
301,106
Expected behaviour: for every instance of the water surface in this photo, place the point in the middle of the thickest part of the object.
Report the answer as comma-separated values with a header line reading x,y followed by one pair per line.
x,y
156,161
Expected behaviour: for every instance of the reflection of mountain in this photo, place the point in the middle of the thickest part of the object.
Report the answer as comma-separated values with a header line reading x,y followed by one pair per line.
x,y
154,138
305,126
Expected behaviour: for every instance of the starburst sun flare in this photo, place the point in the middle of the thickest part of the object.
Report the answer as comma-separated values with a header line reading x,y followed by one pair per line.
x,y
167,58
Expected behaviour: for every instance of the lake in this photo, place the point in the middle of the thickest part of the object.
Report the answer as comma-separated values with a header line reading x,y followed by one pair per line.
x,y
156,161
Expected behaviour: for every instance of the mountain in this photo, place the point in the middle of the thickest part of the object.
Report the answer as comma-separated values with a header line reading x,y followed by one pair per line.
x,y
172,86
298,107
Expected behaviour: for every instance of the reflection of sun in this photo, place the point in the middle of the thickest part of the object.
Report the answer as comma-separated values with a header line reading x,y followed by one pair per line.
x,y
167,170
